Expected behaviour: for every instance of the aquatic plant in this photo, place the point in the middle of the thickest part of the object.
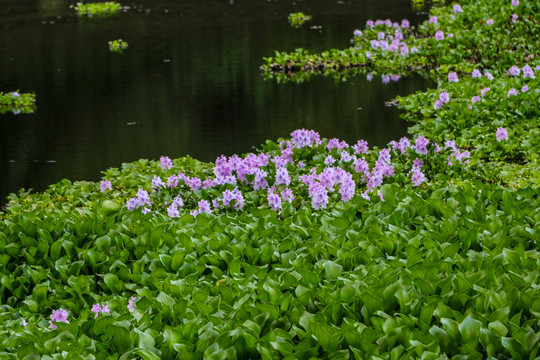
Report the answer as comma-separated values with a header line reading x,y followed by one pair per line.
x,y
17,103
298,19
118,45
98,9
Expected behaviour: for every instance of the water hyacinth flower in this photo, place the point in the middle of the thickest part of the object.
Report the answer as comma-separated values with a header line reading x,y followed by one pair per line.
x,y
131,302
385,79
484,91
525,88
457,8
475,99
282,177
417,177
512,91
274,201
439,35
405,24
357,33
361,147
501,134
452,77
515,3
105,185
515,18
514,70
59,315
204,206
476,74
287,195
319,196
15,94
421,145
172,211
489,22
433,20
157,182
417,163
488,75
165,162
528,72
98,308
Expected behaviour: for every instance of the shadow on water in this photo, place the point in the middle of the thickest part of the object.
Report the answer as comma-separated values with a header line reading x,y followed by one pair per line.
x,y
188,84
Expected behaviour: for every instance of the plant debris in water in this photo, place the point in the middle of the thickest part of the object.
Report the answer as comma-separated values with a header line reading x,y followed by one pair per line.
x,y
298,19
17,103
98,9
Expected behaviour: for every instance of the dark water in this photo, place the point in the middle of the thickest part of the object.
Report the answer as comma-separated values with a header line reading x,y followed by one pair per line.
x,y
189,83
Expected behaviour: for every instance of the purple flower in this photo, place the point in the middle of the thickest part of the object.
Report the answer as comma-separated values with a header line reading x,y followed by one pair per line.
x,y
302,138
347,188
417,177
501,134
172,181
319,196
157,182
131,204
515,2
329,160
380,35
379,194
131,302
403,145
438,104
346,157
260,179
282,177
178,202
528,72
208,183
475,99
514,70
172,211
417,163
476,74
433,20
15,94
405,24
439,35
452,77
166,162
96,310
301,165
385,79
444,97
24,323
450,144
59,315
370,23
204,206
421,145
457,8
484,91
489,76
357,33
274,201
361,165
384,155
512,91
287,195
361,147
489,22
105,185
515,18
145,210
525,88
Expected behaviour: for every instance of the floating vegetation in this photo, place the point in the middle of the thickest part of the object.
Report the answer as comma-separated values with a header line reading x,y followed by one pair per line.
x,y
98,9
298,19
118,45
17,103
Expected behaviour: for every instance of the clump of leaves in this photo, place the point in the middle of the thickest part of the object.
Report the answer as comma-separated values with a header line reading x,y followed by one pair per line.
x,y
17,103
298,19
118,45
98,9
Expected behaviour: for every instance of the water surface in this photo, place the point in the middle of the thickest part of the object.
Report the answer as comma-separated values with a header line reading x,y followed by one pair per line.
x,y
189,83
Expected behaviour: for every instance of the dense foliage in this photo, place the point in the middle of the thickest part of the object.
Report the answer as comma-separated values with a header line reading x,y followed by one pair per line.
x,y
98,8
309,247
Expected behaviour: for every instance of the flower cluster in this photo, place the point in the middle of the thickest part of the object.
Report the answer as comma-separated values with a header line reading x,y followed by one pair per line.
x,y
98,308
59,315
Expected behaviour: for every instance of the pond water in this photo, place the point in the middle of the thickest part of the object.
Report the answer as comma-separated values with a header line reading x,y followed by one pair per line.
x,y
188,84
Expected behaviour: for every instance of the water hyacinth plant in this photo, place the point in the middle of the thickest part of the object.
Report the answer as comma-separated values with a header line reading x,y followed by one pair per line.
x,y
17,103
308,247
118,45
98,9
298,19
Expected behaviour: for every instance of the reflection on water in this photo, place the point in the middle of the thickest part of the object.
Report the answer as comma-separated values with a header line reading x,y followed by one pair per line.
x,y
189,83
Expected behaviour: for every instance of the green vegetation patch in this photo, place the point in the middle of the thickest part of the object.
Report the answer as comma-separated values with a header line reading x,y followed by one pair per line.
x,y
298,19
98,9
17,103
118,45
